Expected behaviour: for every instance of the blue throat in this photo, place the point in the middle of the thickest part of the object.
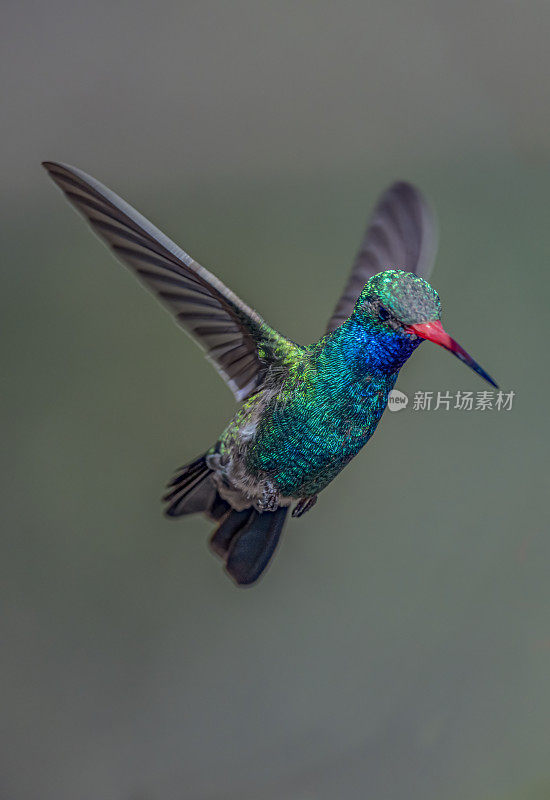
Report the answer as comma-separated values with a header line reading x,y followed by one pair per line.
x,y
366,349
325,413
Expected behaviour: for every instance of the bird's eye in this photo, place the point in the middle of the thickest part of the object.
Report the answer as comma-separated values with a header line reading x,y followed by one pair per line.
x,y
383,314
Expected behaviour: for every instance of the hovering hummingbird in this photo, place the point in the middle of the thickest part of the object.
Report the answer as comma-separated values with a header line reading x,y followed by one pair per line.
x,y
306,410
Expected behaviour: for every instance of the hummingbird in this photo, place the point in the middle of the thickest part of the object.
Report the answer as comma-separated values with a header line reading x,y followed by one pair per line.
x,y
306,410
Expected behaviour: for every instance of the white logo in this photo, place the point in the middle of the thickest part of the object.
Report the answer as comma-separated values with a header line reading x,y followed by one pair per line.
x,y
397,401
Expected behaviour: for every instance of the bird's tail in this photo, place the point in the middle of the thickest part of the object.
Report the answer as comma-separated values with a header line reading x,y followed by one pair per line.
x,y
244,540
192,490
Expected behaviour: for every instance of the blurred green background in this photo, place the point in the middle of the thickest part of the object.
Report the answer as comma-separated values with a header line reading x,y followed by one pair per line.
x,y
400,645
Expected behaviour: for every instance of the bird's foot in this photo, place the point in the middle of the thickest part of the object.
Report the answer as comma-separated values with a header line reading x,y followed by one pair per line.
x,y
303,505
269,501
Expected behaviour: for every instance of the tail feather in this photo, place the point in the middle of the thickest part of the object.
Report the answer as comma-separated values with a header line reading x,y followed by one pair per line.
x,y
246,541
183,474
219,508
191,490
230,525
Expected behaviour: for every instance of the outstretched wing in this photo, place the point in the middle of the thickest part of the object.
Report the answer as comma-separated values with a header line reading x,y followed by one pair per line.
x,y
228,330
401,234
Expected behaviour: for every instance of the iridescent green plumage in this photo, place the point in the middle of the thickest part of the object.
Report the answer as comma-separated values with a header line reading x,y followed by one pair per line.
x,y
317,412
307,410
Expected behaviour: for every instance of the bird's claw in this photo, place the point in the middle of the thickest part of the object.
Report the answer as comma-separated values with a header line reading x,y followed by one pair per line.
x,y
269,500
304,504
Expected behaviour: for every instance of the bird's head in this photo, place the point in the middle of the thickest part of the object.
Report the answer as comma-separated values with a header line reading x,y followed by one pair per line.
x,y
402,303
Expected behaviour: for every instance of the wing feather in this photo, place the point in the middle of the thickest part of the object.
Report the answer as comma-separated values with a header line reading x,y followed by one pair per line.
x,y
401,234
225,327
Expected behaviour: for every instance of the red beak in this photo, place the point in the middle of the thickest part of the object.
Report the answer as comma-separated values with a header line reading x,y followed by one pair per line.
x,y
434,332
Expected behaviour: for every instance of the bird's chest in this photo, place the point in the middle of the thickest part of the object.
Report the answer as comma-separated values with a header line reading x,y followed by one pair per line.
x,y
309,433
